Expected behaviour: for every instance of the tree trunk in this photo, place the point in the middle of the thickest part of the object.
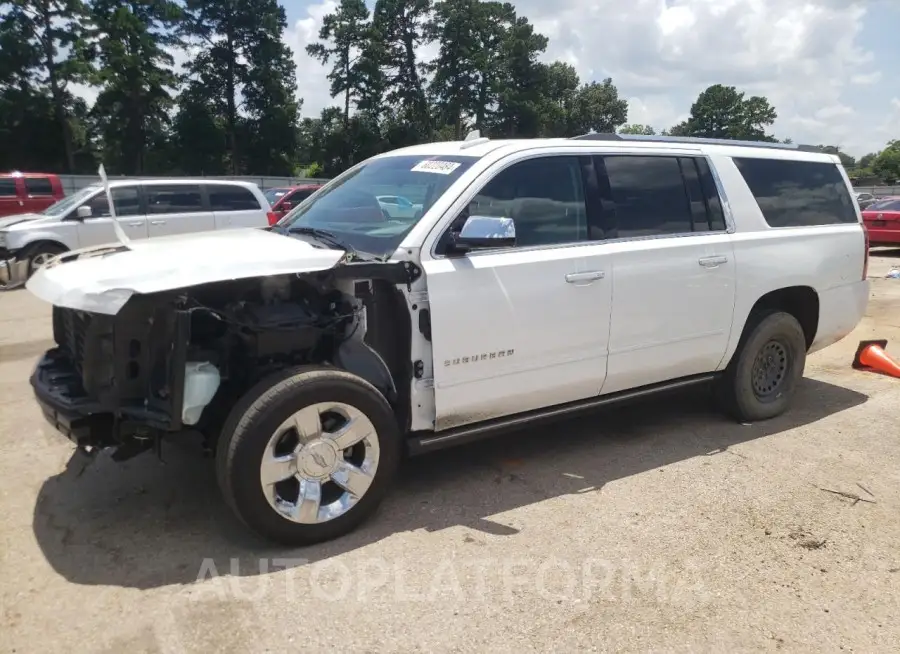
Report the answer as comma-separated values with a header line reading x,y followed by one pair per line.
x,y
59,109
230,90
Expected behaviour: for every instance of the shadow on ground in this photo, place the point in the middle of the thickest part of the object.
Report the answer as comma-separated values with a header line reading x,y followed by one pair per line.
x,y
143,524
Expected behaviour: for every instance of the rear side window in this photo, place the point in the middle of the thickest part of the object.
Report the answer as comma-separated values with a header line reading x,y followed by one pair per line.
x,y
299,196
7,188
177,198
231,198
649,195
38,186
798,193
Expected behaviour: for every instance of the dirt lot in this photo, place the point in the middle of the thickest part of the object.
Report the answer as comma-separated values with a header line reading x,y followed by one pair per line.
x,y
658,527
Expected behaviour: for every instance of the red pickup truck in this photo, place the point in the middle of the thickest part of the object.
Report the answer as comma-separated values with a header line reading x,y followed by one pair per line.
x,y
28,192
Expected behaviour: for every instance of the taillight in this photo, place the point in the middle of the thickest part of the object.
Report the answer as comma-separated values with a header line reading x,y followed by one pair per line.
x,y
272,217
865,254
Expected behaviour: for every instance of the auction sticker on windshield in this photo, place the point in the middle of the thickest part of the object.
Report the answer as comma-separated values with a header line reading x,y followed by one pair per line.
x,y
439,167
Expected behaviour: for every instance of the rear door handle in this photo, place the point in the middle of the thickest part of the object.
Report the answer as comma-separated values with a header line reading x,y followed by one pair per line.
x,y
574,278
713,262
157,222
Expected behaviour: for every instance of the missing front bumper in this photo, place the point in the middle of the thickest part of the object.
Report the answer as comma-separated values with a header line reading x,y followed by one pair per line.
x,y
13,273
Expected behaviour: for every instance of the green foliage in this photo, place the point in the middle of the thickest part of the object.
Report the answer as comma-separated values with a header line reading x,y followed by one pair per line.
x,y
723,112
643,130
887,164
42,51
232,107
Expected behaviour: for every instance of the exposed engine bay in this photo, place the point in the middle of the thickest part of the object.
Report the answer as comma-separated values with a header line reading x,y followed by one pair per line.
x,y
181,359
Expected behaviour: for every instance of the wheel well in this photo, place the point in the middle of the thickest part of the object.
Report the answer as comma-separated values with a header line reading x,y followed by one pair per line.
x,y
32,247
802,302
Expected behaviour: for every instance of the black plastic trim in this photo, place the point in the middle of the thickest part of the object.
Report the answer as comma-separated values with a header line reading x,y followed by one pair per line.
x,y
695,140
423,443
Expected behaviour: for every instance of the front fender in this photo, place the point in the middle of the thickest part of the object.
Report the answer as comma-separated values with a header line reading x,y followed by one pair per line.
x,y
21,239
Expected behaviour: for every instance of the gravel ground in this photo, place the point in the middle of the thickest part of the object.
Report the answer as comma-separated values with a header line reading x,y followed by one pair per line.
x,y
656,527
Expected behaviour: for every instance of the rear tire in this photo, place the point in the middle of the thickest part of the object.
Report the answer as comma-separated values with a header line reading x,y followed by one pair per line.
x,y
762,378
307,455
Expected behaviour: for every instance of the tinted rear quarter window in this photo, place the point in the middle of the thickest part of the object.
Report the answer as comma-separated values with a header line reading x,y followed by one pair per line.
x,y
231,198
7,188
798,193
177,198
38,186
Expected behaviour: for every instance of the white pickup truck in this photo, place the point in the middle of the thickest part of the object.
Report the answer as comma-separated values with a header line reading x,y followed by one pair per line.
x,y
540,278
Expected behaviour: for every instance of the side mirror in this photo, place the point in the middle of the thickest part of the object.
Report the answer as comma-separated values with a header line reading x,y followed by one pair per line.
x,y
84,211
486,232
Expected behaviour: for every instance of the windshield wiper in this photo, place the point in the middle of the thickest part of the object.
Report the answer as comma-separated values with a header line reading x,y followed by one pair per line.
x,y
325,237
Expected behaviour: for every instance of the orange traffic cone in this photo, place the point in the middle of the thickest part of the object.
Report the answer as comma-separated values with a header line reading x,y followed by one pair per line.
x,y
870,355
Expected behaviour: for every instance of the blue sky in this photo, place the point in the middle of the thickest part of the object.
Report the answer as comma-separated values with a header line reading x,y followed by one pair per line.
x,y
830,67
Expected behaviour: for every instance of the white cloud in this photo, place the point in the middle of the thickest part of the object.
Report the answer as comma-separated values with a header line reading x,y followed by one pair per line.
x,y
311,83
801,54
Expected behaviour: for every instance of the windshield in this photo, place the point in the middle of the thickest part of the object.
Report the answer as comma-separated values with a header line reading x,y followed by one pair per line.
x,y
360,207
70,202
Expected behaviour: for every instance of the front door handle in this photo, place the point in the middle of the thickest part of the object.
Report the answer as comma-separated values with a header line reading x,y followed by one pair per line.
x,y
140,224
713,262
574,278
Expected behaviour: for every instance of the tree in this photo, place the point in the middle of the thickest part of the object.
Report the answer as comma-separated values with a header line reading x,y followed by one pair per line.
x,y
561,85
643,130
242,63
43,46
457,26
133,43
341,41
867,160
598,108
521,79
847,161
398,31
887,163
722,112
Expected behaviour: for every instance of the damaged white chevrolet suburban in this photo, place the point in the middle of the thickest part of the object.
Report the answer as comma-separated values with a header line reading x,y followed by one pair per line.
x,y
538,279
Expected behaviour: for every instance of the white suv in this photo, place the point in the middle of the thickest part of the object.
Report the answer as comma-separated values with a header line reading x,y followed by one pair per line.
x,y
145,208
538,279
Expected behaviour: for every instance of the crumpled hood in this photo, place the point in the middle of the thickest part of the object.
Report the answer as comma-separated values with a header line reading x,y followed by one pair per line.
x,y
9,221
102,279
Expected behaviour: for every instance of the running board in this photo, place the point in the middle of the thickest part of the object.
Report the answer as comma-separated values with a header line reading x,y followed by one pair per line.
x,y
427,442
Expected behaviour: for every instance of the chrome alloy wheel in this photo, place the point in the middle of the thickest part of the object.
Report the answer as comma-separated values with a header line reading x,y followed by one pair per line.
x,y
41,259
319,463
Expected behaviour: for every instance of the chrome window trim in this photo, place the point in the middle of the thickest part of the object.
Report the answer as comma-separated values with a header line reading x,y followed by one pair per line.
x,y
534,154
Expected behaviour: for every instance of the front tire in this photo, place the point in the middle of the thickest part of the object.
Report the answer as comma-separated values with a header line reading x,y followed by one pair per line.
x,y
40,255
762,378
307,455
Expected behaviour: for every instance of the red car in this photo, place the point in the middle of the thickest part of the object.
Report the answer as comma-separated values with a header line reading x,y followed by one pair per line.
x,y
882,221
28,192
286,198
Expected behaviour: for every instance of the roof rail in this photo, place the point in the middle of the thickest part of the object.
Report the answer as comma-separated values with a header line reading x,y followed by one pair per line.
x,y
694,140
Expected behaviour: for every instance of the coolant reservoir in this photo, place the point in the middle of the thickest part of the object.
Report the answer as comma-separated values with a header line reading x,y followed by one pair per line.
x,y
201,381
